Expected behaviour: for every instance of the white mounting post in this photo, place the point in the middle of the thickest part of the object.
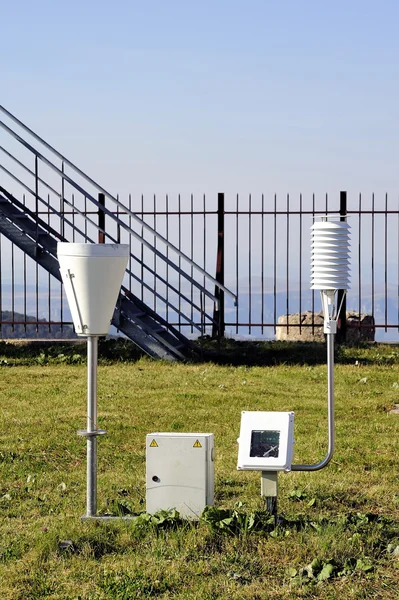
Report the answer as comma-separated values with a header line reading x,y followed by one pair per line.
x,y
269,491
92,275
330,273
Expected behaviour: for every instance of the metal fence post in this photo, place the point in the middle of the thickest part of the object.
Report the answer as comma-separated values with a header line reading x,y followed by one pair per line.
x,y
101,219
218,312
341,297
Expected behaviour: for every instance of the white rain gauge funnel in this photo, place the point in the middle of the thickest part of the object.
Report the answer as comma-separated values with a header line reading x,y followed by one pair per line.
x,y
92,275
266,439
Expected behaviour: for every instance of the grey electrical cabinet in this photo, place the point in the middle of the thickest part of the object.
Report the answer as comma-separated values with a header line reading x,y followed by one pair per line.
x,y
179,472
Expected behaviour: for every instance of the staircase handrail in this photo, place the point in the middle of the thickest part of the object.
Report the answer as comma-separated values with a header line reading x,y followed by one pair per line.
x,y
111,214
118,203
106,211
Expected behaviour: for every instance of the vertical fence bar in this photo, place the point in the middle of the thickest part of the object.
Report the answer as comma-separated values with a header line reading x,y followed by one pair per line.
x,y
37,237
142,248
25,277
218,326
360,260
204,248
73,218
341,296
49,276
386,263
262,314
313,214
130,243
62,201
167,256
62,231
300,264
118,225
37,295
372,254
287,268
275,264
85,212
179,261
154,220
250,263
37,196
237,262
192,258
12,287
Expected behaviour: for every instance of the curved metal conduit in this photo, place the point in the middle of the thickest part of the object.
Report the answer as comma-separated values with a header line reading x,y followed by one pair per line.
x,y
331,427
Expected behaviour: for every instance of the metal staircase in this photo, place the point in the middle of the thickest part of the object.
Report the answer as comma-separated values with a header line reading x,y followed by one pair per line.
x,y
61,203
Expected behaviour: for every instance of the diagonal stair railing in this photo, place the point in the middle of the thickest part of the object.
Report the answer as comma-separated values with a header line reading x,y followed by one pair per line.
x,y
65,197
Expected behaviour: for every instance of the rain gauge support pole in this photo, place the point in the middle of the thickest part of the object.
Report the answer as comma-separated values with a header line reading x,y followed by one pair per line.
x,y
92,355
92,432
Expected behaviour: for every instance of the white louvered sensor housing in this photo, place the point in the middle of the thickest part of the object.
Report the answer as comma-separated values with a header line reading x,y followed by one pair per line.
x,y
330,255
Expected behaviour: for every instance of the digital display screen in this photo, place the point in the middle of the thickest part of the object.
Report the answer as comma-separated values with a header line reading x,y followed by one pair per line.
x,y
265,444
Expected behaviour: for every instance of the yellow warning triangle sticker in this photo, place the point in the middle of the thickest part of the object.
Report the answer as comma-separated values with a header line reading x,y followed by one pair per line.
x,y
197,444
153,444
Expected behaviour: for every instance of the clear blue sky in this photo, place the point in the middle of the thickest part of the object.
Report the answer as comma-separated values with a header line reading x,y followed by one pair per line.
x,y
209,96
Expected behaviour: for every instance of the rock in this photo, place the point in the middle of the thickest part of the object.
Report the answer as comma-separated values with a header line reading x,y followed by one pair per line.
x,y
302,334
359,327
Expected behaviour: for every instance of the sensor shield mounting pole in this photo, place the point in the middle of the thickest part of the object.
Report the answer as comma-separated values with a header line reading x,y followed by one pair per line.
x,y
330,273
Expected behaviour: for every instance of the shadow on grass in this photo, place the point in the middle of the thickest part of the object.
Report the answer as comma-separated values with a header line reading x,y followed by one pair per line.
x,y
227,352
65,351
269,353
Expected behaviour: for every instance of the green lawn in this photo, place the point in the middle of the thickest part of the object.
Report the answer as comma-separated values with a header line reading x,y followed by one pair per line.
x,y
338,535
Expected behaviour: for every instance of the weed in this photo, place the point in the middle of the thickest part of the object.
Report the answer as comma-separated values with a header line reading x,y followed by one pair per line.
x,y
128,586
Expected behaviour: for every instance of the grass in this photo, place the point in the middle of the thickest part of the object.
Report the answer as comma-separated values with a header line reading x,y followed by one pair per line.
x,y
338,535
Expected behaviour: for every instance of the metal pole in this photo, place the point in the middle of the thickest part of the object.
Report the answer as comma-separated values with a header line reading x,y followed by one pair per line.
x,y
331,426
218,313
92,356
330,384
341,297
101,219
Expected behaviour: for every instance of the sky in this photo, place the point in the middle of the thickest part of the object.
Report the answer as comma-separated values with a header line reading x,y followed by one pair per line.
x,y
241,97
224,95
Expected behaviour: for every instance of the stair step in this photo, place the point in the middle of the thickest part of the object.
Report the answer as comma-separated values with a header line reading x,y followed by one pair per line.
x,y
139,314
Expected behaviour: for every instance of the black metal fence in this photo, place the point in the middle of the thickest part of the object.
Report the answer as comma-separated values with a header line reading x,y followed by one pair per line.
x,y
258,246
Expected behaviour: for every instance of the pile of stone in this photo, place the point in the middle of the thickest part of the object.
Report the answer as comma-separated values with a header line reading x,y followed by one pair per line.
x,y
359,327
